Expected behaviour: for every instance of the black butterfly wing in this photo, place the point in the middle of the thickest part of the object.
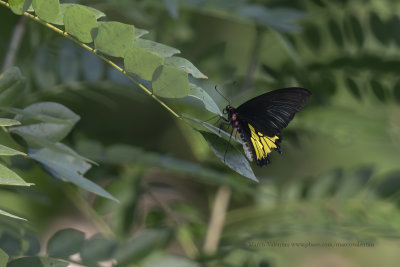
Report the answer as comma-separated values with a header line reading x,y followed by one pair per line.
x,y
271,112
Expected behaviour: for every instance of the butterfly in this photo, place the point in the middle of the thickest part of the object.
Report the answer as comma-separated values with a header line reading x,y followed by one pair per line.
x,y
261,120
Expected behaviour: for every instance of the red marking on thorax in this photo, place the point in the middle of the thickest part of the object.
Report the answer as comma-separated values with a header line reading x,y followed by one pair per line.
x,y
236,123
234,116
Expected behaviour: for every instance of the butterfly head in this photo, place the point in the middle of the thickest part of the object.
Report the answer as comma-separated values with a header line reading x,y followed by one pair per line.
x,y
232,116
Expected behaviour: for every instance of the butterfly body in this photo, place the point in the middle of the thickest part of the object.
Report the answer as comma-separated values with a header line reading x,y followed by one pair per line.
x,y
260,120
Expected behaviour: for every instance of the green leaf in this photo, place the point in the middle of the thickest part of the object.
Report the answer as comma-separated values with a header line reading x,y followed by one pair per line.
x,y
12,84
140,32
203,96
229,155
19,6
3,257
64,7
114,38
33,113
8,177
212,128
80,22
46,120
140,246
8,122
58,147
141,62
185,65
98,248
170,82
6,151
157,48
69,169
5,213
9,77
37,262
64,243
47,10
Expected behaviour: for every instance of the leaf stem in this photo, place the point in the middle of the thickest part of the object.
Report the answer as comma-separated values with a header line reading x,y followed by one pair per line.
x,y
94,51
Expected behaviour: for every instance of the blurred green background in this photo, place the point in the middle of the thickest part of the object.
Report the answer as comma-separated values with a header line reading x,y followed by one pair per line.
x,y
336,182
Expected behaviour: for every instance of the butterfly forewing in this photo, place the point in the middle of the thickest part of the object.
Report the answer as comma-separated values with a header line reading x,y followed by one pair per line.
x,y
269,113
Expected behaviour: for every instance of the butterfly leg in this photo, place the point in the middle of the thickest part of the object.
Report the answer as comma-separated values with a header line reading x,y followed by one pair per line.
x,y
229,142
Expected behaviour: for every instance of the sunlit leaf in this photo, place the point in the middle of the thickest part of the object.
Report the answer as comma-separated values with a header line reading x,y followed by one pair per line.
x,y
8,177
8,122
157,48
203,96
19,6
185,65
141,62
3,257
114,38
47,10
6,151
140,32
64,7
4,213
170,82
80,22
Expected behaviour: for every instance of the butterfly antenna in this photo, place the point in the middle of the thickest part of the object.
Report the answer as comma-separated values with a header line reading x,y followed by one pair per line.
x,y
227,100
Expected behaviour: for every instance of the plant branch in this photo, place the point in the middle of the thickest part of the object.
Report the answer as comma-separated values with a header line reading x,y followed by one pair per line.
x,y
16,38
94,51
217,219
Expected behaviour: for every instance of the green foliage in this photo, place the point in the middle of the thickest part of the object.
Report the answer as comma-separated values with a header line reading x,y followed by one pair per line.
x,y
3,258
80,22
114,38
142,62
80,103
46,10
167,77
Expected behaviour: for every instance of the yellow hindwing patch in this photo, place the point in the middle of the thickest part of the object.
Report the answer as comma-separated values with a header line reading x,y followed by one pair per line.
x,y
262,144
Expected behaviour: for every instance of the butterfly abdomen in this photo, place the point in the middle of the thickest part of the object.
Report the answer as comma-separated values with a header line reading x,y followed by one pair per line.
x,y
249,152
